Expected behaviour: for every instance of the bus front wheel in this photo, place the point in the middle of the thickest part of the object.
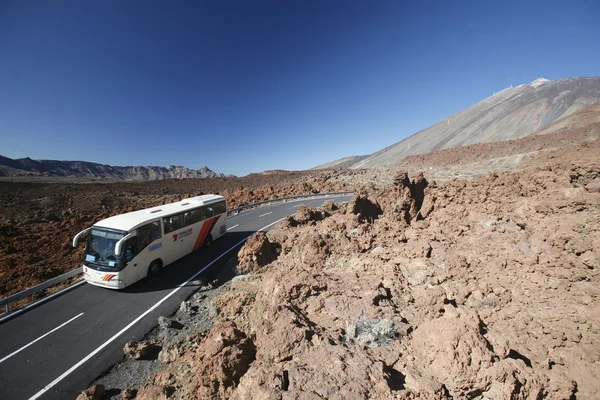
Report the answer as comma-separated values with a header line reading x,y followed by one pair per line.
x,y
154,269
207,241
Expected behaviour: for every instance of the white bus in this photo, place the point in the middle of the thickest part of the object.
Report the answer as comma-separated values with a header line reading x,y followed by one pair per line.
x,y
123,249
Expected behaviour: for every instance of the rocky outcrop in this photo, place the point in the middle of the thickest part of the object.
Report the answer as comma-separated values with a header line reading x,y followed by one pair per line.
x,y
211,368
255,254
453,351
365,208
454,298
408,197
305,214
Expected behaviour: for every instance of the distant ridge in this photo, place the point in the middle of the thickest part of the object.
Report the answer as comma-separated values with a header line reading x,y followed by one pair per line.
x,y
84,169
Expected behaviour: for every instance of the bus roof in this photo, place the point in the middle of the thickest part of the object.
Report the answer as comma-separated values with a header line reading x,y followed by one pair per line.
x,y
131,220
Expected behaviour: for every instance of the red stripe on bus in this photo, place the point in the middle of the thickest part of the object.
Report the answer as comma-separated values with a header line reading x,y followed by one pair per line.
x,y
207,227
199,237
212,224
201,234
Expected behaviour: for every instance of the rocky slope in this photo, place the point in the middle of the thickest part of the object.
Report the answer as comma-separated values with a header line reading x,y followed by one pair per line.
x,y
83,169
468,289
342,163
509,114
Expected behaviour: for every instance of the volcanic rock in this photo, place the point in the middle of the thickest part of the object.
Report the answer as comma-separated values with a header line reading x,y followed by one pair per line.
x,y
95,392
365,208
142,350
255,254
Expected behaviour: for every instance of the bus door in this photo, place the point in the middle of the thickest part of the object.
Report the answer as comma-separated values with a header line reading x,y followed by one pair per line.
x,y
149,243
134,261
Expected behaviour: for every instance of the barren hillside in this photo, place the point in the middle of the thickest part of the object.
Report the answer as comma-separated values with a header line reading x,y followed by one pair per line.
x,y
510,114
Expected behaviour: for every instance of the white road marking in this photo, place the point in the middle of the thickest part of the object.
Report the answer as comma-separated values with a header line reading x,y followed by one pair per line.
x,y
135,321
299,205
40,338
41,301
235,226
270,212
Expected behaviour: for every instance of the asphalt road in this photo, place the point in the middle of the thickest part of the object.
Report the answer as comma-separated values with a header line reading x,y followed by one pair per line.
x,y
57,349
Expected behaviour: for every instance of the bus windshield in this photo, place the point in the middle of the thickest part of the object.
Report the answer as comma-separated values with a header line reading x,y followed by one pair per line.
x,y
100,247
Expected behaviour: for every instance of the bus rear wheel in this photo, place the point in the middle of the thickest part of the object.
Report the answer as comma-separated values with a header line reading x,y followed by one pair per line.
x,y
154,269
207,241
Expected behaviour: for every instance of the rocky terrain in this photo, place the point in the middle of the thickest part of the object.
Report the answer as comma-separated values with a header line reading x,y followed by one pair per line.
x,y
423,286
48,215
510,114
487,289
89,170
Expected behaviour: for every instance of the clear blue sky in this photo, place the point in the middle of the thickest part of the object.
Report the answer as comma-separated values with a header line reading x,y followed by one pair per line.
x,y
248,86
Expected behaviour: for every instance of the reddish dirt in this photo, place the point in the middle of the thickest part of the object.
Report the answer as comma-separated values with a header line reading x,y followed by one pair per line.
x,y
39,220
485,288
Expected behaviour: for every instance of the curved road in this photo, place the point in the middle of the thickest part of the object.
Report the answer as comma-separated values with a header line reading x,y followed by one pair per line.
x,y
57,349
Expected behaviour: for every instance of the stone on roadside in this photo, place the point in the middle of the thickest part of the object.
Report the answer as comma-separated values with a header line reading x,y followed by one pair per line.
x,y
168,323
128,394
187,308
95,392
144,350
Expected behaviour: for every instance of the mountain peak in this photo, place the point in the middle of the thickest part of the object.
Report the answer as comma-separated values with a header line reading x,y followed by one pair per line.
x,y
539,82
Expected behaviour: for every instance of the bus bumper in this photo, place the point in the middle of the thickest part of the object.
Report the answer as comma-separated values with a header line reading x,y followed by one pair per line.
x,y
110,280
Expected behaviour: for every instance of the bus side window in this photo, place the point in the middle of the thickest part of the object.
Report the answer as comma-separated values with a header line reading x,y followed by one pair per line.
x,y
155,230
173,223
191,217
167,225
148,233
207,212
220,207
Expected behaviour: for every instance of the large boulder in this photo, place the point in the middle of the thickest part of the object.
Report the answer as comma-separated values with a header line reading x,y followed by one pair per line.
x,y
408,197
365,208
453,351
305,214
211,371
257,252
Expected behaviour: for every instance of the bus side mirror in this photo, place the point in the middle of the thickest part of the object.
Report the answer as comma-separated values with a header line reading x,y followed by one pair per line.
x,y
119,244
78,236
